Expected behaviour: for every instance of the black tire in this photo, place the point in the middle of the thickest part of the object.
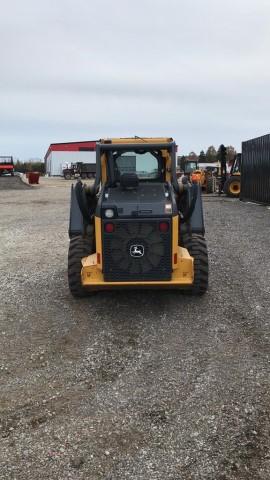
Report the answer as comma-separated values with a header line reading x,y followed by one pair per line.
x,y
79,247
197,248
67,176
232,186
210,185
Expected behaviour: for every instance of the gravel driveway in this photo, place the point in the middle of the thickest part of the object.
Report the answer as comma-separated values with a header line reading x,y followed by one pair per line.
x,y
133,385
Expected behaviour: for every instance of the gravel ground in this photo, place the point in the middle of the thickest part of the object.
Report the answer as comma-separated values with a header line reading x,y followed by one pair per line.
x,y
13,183
132,385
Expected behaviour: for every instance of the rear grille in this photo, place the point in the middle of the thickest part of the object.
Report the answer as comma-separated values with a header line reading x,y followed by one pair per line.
x,y
137,251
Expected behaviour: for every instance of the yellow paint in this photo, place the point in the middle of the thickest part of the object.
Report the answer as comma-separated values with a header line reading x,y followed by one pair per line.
x,y
92,275
175,224
103,168
98,240
90,260
234,187
167,164
121,141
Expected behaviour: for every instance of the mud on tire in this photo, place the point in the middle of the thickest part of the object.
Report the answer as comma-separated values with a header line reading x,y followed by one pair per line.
x,y
79,247
211,185
197,248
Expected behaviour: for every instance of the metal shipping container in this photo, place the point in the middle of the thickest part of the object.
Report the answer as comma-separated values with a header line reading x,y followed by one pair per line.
x,y
255,170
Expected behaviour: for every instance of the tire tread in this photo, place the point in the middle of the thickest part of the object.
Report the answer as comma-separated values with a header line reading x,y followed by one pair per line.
x,y
197,248
79,247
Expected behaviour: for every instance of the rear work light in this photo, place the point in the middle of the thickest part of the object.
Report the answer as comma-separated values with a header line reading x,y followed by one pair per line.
x,y
109,227
163,227
109,213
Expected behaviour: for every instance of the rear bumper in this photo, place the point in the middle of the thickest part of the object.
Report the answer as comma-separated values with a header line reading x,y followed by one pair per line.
x,y
182,275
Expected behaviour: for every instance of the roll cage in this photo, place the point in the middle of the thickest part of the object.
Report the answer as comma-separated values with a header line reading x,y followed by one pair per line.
x,y
106,153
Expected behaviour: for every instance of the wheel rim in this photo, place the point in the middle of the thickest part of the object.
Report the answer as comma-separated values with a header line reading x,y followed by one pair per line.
x,y
234,188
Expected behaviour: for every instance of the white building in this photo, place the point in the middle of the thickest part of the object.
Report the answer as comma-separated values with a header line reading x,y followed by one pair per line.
x,y
60,155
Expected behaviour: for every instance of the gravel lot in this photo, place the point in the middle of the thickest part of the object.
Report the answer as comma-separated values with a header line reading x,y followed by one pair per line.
x,y
133,385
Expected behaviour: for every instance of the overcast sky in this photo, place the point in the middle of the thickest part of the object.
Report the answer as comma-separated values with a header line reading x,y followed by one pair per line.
x,y
197,70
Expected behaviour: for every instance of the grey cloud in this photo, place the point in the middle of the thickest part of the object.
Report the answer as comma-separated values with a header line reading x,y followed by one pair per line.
x,y
194,69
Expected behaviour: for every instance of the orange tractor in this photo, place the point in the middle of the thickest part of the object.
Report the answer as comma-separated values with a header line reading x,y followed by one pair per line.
x,y
206,179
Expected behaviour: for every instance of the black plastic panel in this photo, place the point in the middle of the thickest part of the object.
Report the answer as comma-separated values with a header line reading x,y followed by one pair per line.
x,y
129,236
196,220
75,217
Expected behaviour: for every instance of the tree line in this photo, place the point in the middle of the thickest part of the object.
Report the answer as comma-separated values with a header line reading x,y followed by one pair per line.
x,y
210,156
30,166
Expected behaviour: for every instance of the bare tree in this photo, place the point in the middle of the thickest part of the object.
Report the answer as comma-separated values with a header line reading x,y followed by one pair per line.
x,y
211,154
231,154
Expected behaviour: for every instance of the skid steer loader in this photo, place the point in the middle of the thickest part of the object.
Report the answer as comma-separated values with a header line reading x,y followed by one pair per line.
x,y
136,226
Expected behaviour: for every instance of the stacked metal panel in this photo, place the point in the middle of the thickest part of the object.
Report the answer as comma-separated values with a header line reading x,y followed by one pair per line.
x,y
255,170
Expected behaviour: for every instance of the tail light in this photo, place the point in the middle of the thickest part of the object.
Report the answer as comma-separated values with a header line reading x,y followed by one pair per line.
x,y
109,227
163,227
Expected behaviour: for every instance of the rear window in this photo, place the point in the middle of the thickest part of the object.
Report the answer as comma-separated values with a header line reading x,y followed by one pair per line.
x,y
145,165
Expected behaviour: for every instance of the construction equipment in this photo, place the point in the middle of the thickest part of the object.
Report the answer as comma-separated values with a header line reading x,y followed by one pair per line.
x,y
6,165
232,185
136,225
79,169
185,167
206,179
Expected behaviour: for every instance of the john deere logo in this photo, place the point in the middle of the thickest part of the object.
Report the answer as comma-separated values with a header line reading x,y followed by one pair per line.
x,y
137,251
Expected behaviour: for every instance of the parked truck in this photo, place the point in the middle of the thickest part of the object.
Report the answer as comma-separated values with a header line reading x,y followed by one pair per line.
x,y
79,169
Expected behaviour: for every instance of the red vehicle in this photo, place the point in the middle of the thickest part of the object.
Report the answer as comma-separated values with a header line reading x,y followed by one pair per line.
x,y
6,165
